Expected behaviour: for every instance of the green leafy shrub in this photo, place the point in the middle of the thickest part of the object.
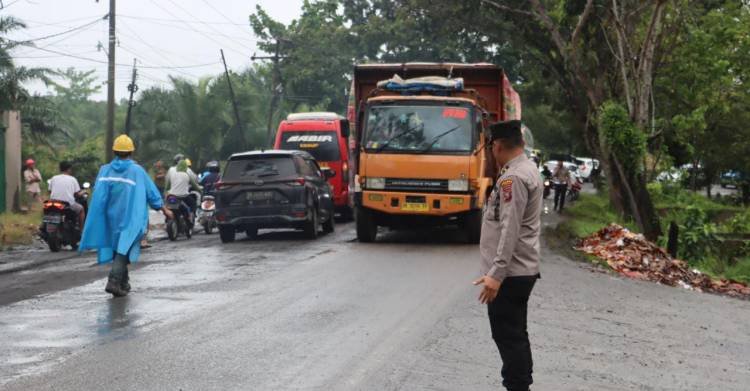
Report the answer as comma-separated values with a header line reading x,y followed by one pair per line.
x,y
697,236
624,139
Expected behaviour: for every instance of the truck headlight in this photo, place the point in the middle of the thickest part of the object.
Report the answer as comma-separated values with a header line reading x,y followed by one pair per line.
x,y
458,185
375,183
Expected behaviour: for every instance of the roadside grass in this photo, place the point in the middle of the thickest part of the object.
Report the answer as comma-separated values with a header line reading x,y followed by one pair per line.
x,y
19,228
589,214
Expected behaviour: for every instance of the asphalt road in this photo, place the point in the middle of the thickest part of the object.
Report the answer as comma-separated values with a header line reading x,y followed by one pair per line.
x,y
284,313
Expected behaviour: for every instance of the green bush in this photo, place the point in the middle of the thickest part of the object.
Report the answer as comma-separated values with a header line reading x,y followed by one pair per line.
x,y
697,238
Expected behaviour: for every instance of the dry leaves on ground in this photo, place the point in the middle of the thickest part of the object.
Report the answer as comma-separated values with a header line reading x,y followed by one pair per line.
x,y
632,255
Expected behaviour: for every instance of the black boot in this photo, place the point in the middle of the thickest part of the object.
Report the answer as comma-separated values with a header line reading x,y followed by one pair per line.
x,y
126,282
115,288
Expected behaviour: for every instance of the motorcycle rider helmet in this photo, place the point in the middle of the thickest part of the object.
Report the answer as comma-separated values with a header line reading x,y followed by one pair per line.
x,y
123,143
30,162
213,166
178,157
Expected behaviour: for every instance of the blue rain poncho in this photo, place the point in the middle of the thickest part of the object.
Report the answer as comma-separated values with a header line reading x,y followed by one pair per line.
x,y
118,211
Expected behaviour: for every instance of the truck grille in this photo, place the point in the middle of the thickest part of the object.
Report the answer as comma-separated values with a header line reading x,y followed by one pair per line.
x,y
423,185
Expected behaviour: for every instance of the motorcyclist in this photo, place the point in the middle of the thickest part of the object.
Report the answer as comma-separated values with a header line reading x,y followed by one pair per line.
x,y
546,173
179,185
210,179
118,214
65,187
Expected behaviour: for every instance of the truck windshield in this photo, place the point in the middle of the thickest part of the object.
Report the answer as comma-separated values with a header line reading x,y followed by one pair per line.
x,y
323,145
419,128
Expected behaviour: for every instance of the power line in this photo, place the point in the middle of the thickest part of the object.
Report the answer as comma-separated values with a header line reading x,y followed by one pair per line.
x,y
179,20
221,44
127,65
66,31
224,16
188,27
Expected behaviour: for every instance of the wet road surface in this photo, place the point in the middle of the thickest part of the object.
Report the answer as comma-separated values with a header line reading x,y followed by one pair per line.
x,y
281,312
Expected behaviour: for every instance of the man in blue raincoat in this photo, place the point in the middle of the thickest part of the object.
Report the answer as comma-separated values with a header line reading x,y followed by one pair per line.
x,y
118,214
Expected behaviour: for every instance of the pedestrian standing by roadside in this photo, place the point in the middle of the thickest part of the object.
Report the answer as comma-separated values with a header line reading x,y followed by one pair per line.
x,y
509,251
160,176
32,177
561,179
118,214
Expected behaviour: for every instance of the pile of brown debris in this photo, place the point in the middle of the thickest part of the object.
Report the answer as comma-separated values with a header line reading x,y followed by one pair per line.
x,y
632,255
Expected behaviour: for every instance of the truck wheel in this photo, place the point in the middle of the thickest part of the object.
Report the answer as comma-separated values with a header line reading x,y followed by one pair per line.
x,y
367,230
473,226
312,224
226,233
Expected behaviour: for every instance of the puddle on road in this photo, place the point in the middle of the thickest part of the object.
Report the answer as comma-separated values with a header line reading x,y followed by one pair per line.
x,y
41,331
175,281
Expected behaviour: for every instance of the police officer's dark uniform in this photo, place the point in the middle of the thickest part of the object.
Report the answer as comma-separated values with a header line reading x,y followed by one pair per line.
x,y
509,249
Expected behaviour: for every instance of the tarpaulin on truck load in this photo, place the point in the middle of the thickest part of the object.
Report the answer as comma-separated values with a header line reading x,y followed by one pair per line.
x,y
511,101
420,84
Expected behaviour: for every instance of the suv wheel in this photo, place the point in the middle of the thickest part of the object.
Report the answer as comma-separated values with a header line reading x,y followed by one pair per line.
x,y
252,233
367,230
329,226
226,233
311,225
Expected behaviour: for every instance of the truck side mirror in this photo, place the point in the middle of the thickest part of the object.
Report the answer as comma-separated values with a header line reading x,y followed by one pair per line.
x,y
345,128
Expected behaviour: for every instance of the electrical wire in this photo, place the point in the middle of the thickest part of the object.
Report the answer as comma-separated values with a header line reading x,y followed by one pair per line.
x,y
176,20
187,27
105,62
66,31
221,44
225,17
208,25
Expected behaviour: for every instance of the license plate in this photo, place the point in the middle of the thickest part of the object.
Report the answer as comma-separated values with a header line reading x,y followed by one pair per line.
x,y
52,219
259,195
415,207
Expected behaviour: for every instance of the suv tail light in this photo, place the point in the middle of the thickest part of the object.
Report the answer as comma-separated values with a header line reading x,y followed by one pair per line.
x,y
220,185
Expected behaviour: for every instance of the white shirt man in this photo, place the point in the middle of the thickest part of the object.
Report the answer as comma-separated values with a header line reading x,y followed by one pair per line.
x,y
64,187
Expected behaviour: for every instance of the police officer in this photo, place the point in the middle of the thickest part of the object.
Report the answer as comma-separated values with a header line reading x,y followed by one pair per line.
x,y
509,250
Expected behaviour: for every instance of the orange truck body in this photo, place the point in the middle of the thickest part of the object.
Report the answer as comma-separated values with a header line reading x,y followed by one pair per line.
x,y
405,188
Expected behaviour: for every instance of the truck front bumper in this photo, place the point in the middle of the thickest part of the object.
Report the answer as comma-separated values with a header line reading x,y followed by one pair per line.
x,y
425,204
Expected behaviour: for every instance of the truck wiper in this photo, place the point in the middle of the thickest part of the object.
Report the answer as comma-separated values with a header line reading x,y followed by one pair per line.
x,y
394,137
437,138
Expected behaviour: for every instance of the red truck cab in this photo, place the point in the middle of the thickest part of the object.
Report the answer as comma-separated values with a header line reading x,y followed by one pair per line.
x,y
325,137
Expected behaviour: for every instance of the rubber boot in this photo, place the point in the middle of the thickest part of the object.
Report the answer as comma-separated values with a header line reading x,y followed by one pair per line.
x,y
126,281
115,288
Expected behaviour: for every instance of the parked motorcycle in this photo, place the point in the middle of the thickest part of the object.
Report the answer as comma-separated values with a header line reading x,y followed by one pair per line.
x,y
206,216
181,223
60,226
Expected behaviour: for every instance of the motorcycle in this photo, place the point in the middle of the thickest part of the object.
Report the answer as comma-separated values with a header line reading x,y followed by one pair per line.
x,y
206,213
547,188
181,223
575,190
60,226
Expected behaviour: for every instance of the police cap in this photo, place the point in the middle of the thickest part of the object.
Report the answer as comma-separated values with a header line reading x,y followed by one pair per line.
x,y
505,130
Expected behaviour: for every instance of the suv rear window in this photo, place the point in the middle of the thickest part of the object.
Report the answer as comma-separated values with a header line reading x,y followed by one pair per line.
x,y
259,167
323,145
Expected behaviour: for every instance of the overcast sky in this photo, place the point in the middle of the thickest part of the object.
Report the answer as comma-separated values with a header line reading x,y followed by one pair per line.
x,y
184,35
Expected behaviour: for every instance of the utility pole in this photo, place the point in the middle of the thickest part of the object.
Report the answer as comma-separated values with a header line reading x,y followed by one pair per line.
x,y
275,85
132,87
111,82
237,120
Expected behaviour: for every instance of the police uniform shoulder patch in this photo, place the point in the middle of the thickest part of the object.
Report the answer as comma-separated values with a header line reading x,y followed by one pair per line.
x,y
507,187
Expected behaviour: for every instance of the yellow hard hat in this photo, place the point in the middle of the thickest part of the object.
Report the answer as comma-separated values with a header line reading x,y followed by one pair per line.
x,y
188,162
123,143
